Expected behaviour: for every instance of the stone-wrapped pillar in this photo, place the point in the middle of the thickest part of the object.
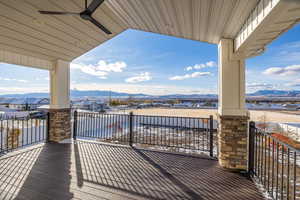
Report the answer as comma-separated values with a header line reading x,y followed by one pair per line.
x,y
233,115
60,112
233,138
13,138
60,124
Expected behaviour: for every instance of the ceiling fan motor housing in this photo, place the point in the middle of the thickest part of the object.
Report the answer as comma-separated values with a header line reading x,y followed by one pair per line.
x,y
86,15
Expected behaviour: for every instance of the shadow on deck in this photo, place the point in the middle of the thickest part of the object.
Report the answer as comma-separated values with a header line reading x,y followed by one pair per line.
x,y
88,170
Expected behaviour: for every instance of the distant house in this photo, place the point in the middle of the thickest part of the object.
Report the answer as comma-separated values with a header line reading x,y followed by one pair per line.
x,y
292,106
180,105
144,105
8,112
24,104
91,105
6,101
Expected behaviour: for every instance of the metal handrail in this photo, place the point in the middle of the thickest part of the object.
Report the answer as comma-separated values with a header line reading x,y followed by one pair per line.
x,y
188,133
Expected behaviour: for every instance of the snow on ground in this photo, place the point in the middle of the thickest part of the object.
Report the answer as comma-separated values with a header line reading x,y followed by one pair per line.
x,y
255,115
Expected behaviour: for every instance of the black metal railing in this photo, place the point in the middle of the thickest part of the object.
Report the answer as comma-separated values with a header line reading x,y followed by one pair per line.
x,y
164,132
274,163
16,132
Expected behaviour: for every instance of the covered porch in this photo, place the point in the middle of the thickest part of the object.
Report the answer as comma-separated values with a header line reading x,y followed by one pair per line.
x,y
68,169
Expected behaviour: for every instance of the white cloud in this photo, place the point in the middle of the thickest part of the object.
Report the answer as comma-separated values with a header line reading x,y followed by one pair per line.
x,y
13,79
187,76
295,83
283,71
139,78
253,87
189,68
102,68
201,66
111,67
211,64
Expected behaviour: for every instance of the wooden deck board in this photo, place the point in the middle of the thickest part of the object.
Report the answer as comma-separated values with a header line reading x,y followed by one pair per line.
x,y
92,171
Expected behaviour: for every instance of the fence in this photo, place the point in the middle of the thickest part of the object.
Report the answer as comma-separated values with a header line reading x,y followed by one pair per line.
x,y
163,132
274,164
16,132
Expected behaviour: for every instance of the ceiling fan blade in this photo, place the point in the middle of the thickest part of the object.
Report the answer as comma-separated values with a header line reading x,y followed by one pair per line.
x,y
99,25
94,5
57,13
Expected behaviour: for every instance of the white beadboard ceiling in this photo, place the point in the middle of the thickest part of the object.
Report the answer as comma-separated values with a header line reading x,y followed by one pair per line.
x,y
24,31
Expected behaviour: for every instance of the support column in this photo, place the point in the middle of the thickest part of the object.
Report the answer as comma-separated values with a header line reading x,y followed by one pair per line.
x,y
60,111
233,115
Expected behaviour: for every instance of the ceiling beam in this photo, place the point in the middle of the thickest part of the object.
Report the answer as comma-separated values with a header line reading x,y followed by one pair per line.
x,y
269,16
24,60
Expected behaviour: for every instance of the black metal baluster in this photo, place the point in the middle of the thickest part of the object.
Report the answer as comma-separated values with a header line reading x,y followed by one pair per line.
x,y
118,128
288,175
75,122
12,132
282,170
1,133
83,126
295,174
256,156
88,121
105,125
174,130
204,135
265,158
101,126
277,168
268,160
111,119
90,124
161,131
177,133
130,128
112,125
31,132
211,136
27,126
93,122
7,130
260,156
273,151
142,134
18,125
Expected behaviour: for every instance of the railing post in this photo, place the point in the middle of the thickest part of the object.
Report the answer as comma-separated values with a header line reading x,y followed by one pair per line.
x,y
130,128
211,136
75,125
48,126
251,147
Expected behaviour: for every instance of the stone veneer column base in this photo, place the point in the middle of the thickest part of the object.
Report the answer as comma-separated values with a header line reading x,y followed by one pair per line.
x,y
60,124
233,139
13,138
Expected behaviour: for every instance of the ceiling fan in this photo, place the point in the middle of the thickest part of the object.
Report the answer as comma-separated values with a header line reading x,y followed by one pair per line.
x,y
86,14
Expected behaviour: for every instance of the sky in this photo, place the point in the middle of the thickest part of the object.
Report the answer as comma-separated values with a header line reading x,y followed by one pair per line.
x,y
149,63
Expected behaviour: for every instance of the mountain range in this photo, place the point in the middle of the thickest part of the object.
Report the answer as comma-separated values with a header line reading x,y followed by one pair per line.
x,y
283,93
106,94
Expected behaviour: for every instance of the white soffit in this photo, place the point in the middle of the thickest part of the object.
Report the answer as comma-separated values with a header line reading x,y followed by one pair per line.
x,y
267,21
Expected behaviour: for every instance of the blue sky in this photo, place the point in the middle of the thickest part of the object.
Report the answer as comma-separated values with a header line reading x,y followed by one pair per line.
x,y
139,62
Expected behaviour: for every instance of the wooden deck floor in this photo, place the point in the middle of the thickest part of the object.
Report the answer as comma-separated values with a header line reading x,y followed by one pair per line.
x,y
95,171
